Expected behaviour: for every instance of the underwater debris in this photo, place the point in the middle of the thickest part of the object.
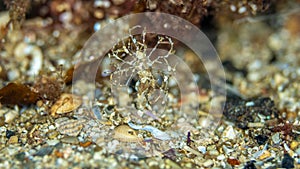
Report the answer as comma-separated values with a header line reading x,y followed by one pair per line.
x,y
244,111
70,127
17,94
65,104
154,131
125,134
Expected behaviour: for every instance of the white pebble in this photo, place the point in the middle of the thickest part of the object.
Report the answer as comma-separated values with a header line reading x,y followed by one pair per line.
x,y
229,133
10,116
221,157
208,163
202,149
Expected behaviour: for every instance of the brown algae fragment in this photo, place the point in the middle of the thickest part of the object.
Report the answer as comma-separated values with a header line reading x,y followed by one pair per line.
x,y
17,94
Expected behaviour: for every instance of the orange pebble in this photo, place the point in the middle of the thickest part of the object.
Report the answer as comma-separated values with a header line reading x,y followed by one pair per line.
x,y
85,144
233,161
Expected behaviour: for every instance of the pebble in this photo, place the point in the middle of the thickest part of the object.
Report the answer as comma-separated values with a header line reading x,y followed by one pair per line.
x,y
9,133
297,151
213,152
2,121
13,140
52,134
264,155
10,116
233,161
294,145
52,142
250,165
208,163
20,156
118,2
261,139
70,140
287,161
202,149
276,138
221,157
85,144
229,133
44,151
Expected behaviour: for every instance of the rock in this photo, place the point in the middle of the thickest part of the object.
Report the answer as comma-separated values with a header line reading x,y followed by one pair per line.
x,y
261,139
13,140
264,155
2,121
70,140
10,116
229,133
276,138
52,142
221,157
250,165
20,156
44,151
9,133
287,161
208,163
202,149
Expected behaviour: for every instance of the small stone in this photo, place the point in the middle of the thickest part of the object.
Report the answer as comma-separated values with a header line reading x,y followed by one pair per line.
x,y
202,149
9,133
10,116
233,161
297,151
13,140
85,144
264,155
52,134
229,133
261,139
118,2
70,140
208,163
52,142
221,157
250,165
44,151
2,121
287,161
294,145
20,156
276,138
213,152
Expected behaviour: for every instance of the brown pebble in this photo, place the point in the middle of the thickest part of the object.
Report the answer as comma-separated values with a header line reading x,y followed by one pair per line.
x,y
39,103
85,144
58,154
13,140
118,2
2,121
233,161
264,155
